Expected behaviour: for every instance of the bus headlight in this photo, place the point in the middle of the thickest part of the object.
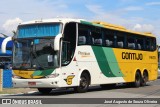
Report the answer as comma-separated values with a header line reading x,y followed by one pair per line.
x,y
16,77
52,75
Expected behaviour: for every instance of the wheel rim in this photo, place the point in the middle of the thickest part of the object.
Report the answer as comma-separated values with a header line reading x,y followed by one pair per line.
x,y
138,80
145,78
83,83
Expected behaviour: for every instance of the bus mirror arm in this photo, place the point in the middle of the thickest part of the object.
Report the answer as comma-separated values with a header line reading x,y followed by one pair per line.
x,y
57,42
4,44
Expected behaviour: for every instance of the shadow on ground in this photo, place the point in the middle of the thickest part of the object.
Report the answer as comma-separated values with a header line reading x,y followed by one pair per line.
x,y
70,91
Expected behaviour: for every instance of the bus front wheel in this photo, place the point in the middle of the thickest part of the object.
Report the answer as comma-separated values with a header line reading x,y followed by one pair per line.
x,y
45,90
84,83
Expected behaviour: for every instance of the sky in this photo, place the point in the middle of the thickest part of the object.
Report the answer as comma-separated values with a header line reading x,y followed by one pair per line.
x,y
137,15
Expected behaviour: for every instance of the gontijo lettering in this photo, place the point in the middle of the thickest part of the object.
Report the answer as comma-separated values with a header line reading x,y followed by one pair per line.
x,y
132,56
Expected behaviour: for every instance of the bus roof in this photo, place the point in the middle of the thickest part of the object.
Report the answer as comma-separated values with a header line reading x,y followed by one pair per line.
x,y
95,23
117,28
63,20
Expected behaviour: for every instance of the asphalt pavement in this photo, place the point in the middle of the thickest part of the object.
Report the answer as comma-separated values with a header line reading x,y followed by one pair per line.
x,y
152,90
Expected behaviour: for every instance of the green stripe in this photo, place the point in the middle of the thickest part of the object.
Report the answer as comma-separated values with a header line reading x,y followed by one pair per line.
x,y
37,73
107,61
43,72
85,22
102,61
90,23
112,61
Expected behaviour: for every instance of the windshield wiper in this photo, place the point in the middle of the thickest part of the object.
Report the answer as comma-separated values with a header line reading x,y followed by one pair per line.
x,y
35,55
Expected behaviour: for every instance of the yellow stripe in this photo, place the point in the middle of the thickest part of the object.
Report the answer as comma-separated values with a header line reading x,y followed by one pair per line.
x,y
25,74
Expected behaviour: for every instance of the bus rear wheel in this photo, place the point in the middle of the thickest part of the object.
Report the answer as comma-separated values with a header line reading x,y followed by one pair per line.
x,y
84,84
144,79
138,80
45,90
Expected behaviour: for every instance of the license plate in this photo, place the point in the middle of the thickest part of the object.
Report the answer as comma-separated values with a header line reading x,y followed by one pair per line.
x,y
31,83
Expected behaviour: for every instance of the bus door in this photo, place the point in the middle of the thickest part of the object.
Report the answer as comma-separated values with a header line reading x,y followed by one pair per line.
x,y
69,67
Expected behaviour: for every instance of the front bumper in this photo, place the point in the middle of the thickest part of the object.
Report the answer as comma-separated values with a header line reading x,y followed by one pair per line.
x,y
40,83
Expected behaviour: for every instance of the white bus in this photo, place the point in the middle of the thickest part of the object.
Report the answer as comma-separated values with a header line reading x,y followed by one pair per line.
x,y
75,53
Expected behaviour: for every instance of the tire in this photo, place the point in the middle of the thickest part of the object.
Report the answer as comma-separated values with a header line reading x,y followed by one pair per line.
x,y
138,79
107,86
144,79
44,90
84,84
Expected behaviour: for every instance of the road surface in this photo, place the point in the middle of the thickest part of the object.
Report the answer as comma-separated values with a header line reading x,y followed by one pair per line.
x,y
152,90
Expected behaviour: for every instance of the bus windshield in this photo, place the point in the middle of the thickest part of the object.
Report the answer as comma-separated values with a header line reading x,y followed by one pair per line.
x,y
33,53
34,46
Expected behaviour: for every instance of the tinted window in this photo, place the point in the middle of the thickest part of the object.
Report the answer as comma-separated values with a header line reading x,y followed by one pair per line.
x,y
91,35
96,36
130,42
109,39
153,44
147,44
83,35
120,40
140,43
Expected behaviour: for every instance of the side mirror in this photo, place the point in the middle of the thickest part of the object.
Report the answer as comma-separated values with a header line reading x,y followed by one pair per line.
x,y
57,42
4,44
56,61
50,58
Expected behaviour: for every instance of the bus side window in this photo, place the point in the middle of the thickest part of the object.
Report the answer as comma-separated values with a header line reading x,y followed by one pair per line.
x,y
96,36
83,35
140,44
108,39
153,44
131,43
148,44
120,40
81,40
